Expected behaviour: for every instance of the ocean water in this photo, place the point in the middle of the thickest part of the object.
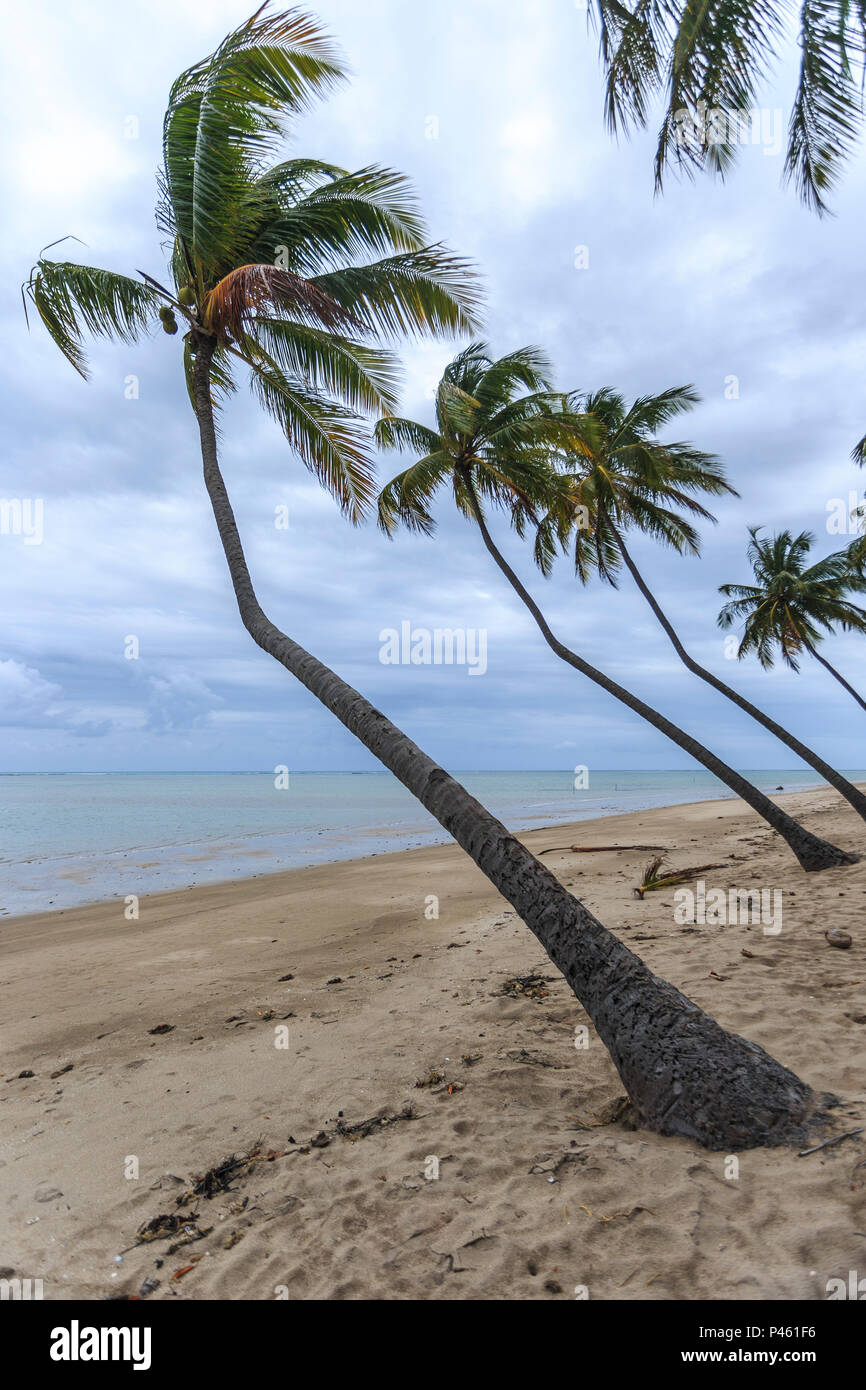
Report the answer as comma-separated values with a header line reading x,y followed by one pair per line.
x,y
70,838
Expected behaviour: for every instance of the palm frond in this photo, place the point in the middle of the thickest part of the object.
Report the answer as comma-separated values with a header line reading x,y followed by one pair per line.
x,y
231,306
427,292
665,525
827,112
596,553
709,59
72,300
394,432
633,46
720,54
651,413
364,377
552,534
226,113
328,438
457,412
529,367
370,212
406,498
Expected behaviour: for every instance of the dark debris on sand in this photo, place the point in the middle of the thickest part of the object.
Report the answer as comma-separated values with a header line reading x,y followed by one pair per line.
x,y
527,986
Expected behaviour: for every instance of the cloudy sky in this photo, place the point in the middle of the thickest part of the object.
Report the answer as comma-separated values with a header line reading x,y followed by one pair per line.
x,y
708,283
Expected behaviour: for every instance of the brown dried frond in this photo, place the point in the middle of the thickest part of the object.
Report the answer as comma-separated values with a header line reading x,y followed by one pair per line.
x,y
232,304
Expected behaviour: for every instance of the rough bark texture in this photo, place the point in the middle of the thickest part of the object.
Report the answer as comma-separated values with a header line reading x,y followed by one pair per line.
x,y
836,780
813,651
811,851
683,1073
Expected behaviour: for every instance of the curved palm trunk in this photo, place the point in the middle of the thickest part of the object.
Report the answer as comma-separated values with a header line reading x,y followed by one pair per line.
x,y
812,852
836,780
813,651
684,1074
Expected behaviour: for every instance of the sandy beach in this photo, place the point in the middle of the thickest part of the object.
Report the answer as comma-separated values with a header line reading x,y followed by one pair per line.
x,y
292,1018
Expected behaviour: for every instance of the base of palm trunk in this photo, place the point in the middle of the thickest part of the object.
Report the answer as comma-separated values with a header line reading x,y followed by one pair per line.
x,y
687,1076
814,854
684,1074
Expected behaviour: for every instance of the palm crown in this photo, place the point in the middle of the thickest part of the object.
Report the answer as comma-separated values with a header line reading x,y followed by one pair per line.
x,y
290,268
493,444
791,602
625,477
710,60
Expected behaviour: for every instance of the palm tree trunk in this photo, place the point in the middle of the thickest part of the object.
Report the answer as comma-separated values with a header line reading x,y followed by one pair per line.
x,y
813,651
811,852
836,780
684,1074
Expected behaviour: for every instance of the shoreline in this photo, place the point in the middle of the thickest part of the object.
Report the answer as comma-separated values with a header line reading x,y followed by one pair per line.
x,y
441,839
153,1051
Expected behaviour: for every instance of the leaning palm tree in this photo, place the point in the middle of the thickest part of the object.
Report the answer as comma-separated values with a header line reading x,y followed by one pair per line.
x,y
494,446
790,602
301,330
626,478
708,62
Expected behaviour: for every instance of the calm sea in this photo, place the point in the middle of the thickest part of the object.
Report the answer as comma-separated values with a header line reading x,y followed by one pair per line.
x,y
70,838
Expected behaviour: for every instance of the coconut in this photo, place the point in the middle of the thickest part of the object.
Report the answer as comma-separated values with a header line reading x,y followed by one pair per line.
x,y
186,295
169,322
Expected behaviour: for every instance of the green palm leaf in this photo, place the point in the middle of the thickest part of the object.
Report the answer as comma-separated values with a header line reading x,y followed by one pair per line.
x,y
395,432
827,110
498,447
792,604
625,477
422,292
364,377
369,212
529,367
328,438
73,299
226,114
708,59
406,498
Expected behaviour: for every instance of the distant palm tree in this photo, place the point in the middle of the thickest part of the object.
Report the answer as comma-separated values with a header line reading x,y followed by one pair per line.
x,y
789,603
494,445
626,478
266,275
708,62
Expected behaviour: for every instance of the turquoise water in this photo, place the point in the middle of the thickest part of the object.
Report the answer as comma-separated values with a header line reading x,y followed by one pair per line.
x,y
69,838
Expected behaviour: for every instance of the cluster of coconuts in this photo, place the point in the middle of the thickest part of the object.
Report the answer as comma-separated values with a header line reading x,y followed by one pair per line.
x,y
185,296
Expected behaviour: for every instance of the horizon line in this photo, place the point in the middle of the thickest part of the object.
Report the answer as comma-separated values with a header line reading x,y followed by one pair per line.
x,y
365,772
